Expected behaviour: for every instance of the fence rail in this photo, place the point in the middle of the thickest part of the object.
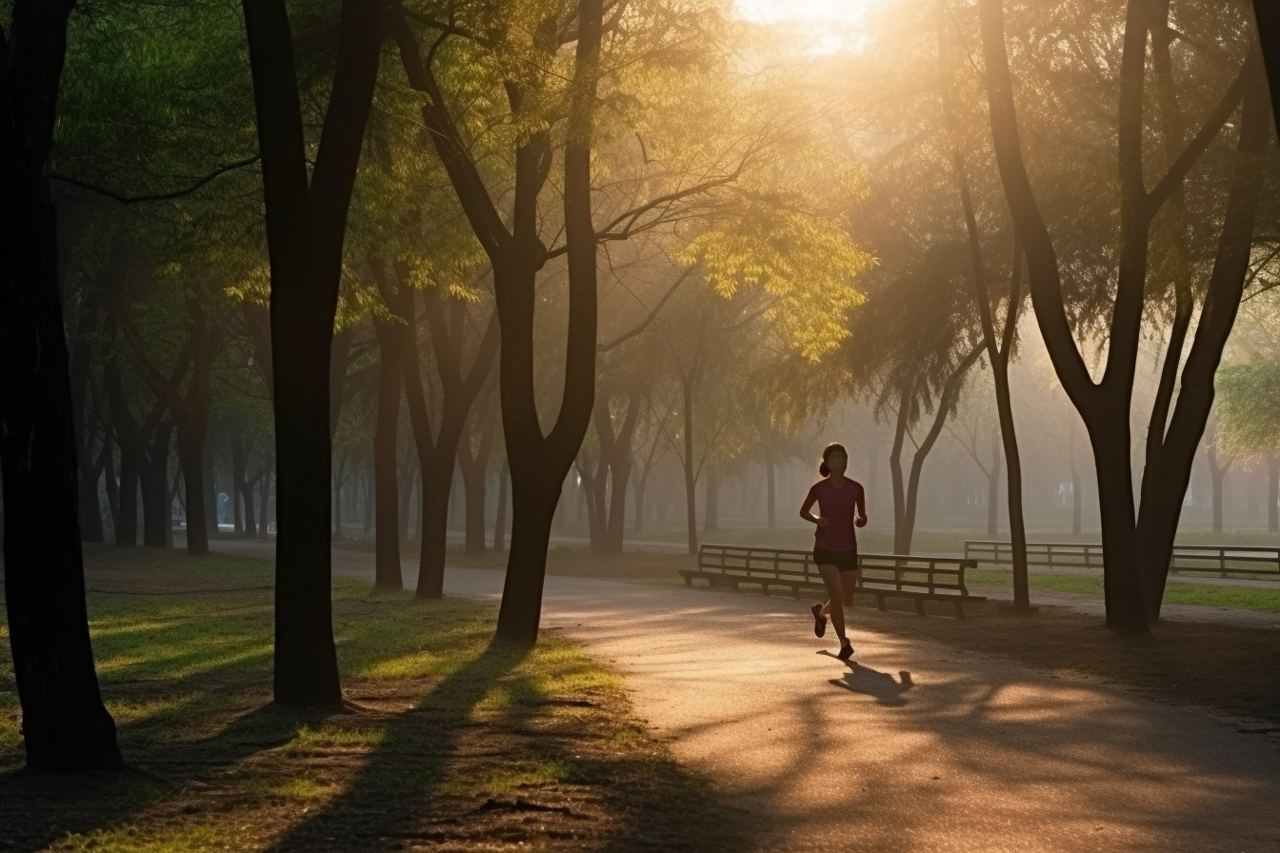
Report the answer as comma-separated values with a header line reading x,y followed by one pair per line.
x,y
1203,559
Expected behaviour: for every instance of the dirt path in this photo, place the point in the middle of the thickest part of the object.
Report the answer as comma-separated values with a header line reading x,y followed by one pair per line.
x,y
916,746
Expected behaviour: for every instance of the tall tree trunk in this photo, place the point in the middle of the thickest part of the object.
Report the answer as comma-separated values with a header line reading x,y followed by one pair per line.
x,y
110,482
473,485
1273,494
500,516
690,477
771,489
90,501
711,501
264,518
209,478
1077,484
386,441
993,487
1217,479
339,477
250,516
191,459
155,489
306,217
998,350
238,485
64,723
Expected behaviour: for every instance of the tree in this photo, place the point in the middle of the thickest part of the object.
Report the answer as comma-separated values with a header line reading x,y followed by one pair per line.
x,y
64,723
306,214
999,346
1249,411
1137,536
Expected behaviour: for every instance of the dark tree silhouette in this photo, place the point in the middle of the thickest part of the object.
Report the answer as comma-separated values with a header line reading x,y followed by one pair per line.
x,y
306,218
64,724
1137,535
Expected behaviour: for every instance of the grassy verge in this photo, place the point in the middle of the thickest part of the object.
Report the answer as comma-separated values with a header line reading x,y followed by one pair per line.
x,y
445,740
1204,595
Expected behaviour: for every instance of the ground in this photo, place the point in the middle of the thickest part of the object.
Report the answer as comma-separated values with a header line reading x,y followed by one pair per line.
x,y
444,741
718,723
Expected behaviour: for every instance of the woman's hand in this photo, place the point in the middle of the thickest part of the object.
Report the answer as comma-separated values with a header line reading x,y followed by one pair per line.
x,y
823,522
860,521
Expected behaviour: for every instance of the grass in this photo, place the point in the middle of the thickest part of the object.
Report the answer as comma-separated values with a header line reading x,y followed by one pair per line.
x,y
444,739
1261,599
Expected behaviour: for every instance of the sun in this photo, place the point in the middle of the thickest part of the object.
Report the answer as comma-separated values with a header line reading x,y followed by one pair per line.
x,y
826,26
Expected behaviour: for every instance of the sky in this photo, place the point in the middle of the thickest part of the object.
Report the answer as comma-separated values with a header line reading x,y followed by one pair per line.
x,y
828,26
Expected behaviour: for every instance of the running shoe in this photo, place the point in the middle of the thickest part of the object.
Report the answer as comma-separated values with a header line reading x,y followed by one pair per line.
x,y
819,621
846,652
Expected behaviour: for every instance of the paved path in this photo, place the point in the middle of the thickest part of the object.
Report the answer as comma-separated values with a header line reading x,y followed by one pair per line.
x,y
915,747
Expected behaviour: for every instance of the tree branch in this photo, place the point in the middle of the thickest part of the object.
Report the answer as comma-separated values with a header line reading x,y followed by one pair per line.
x,y
638,330
165,196
1196,147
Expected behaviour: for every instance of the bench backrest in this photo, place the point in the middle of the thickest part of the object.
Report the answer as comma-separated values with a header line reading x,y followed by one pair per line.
x,y
896,571
1244,559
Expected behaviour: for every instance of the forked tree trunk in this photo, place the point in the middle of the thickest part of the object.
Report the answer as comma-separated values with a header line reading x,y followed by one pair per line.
x,y
306,217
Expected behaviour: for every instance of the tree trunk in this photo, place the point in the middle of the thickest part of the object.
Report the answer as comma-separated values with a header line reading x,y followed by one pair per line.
x,y
1121,582
637,521
473,485
771,490
711,501
1273,494
64,723
901,524
238,485
339,478
111,484
690,475
264,517
306,218
620,474
90,503
386,439
993,488
1077,484
155,489
191,459
533,507
500,516
538,461
250,517
209,478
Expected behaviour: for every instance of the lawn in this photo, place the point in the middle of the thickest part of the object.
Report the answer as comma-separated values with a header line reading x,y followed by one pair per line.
x,y
1263,599
444,740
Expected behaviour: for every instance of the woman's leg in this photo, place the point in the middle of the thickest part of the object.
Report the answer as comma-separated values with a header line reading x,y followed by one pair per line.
x,y
835,593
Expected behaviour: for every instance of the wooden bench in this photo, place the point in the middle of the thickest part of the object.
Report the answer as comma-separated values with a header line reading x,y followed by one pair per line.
x,y
1221,560
885,576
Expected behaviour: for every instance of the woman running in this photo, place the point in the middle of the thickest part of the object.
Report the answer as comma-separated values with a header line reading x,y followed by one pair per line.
x,y
842,505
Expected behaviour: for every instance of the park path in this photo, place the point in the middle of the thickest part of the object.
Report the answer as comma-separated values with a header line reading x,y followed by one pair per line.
x,y
916,746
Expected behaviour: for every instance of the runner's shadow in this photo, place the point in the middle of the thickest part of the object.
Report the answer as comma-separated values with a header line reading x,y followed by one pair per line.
x,y
881,686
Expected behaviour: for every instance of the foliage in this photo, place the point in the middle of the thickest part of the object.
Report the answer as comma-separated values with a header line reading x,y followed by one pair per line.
x,y
1248,406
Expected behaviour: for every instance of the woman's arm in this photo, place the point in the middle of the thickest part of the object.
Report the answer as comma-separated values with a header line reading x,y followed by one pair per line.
x,y
860,507
809,501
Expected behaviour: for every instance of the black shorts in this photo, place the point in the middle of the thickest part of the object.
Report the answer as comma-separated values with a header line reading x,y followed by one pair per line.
x,y
845,561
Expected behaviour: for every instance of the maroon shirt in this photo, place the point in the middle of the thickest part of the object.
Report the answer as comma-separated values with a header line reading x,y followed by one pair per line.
x,y
839,505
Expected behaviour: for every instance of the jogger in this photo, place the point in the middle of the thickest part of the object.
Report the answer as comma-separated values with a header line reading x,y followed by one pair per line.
x,y
842,506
